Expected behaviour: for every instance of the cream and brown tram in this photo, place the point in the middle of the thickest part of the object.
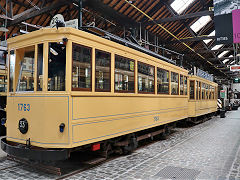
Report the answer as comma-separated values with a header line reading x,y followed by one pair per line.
x,y
202,97
70,89
3,87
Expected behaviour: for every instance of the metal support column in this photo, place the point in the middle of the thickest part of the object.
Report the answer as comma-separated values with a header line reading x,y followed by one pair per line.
x,y
79,14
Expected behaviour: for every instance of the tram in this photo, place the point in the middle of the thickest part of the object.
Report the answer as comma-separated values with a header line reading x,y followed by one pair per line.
x,y
3,88
203,95
69,89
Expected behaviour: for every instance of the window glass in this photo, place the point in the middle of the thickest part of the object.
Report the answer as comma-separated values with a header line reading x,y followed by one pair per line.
x,y
56,67
26,68
185,85
210,92
174,83
199,90
196,89
145,78
124,74
162,81
206,91
103,71
181,84
40,68
203,90
12,61
82,68
192,90
3,83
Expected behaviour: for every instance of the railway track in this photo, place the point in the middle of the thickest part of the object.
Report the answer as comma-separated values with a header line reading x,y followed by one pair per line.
x,y
68,169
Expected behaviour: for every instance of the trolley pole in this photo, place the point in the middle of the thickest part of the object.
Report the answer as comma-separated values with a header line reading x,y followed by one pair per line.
x,y
79,14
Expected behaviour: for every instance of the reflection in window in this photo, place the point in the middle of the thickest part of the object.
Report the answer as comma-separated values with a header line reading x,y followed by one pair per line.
x,y
206,91
181,84
185,85
103,71
196,88
12,61
3,83
192,90
162,81
26,71
210,92
174,83
56,67
124,74
203,91
145,78
82,68
40,68
199,90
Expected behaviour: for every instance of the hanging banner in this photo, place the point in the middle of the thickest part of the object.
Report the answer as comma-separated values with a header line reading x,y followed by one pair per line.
x,y
223,29
236,25
223,20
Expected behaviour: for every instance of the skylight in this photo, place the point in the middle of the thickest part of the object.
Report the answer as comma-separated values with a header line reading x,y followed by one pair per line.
x,y
200,23
209,40
222,54
226,60
180,5
217,46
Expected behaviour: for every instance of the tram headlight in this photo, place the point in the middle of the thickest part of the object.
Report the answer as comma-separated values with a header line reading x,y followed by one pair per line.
x,y
61,127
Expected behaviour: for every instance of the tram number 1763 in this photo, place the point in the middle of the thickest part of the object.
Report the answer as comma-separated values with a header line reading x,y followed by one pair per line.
x,y
23,107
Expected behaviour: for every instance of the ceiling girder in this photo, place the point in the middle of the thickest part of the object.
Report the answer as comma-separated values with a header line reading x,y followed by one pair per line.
x,y
191,39
181,17
220,59
35,13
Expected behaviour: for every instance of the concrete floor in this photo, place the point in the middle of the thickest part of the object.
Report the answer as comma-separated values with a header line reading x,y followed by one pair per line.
x,y
210,150
2,154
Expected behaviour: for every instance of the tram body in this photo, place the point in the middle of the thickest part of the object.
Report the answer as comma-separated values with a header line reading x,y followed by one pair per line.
x,y
202,97
80,89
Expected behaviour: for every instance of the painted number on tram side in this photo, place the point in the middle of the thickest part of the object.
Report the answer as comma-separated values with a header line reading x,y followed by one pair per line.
x,y
156,118
23,107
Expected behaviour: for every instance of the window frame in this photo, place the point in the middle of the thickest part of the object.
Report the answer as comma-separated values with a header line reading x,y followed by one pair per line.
x,y
141,92
182,84
168,80
91,58
124,91
110,70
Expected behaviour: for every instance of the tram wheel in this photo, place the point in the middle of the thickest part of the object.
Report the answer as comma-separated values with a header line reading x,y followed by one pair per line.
x,y
133,143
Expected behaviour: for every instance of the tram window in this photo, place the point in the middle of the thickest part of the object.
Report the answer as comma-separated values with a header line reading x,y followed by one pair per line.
x,y
203,91
145,78
82,68
210,92
185,85
56,67
192,90
196,89
199,90
25,56
40,68
162,81
12,61
103,71
124,74
206,90
3,83
174,83
181,85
